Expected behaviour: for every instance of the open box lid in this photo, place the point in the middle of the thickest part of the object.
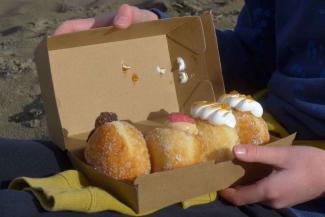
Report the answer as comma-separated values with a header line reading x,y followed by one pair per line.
x,y
81,73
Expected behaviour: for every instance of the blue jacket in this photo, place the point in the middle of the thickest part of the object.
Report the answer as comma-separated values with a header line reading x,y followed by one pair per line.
x,y
280,45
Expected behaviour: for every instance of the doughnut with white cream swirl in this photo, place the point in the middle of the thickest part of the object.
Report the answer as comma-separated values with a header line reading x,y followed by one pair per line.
x,y
251,127
217,127
215,113
242,103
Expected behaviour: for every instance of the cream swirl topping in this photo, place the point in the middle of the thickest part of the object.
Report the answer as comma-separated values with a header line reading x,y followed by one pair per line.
x,y
214,113
242,103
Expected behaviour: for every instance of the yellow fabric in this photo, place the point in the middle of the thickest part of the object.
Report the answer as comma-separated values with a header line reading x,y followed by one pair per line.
x,y
200,200
274,126
70,191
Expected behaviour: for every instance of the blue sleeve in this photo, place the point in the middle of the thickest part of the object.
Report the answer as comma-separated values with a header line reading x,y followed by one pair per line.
x,y
159,13
248,53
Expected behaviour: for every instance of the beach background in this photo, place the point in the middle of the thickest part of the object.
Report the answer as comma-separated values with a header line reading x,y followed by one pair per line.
x,y
23,23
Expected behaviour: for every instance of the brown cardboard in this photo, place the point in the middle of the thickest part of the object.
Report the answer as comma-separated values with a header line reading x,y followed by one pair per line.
x,y
142,46
81,76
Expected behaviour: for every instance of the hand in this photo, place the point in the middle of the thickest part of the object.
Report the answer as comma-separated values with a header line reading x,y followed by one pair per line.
x,y
298,176
123,18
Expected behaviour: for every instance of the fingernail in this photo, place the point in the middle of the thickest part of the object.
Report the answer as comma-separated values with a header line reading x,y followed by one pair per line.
x,y
121,19
240,150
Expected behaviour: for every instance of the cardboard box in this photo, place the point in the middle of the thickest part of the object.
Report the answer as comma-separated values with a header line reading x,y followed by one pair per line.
x,y
81,75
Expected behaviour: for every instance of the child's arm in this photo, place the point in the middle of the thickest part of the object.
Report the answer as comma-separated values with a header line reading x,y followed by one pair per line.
x,y
248,52
298,176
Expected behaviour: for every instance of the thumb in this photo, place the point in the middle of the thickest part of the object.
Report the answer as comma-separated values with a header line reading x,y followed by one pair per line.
x,y
276,156
127,15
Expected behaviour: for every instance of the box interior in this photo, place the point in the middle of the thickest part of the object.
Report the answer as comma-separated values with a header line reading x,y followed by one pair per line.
x,y
88,78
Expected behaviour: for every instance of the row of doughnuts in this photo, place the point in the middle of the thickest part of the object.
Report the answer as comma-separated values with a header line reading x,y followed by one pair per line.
x,y
119,150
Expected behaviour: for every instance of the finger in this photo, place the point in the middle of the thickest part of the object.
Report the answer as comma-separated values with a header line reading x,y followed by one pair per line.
x,y
84,24
128,15
74,26
140,15
243,195
124,16
276,156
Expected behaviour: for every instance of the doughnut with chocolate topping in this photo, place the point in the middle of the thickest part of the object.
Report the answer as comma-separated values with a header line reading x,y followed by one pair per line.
x,y
117,149
105,117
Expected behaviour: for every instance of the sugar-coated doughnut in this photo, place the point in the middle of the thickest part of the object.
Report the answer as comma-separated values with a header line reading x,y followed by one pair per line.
x,y
219,140
251,127
217,127
118,150
175,146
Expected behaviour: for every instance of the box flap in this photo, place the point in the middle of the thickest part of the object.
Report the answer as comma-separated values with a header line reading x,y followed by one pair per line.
x,y
81,73
200,179
212,54
286,141
48,95
176,28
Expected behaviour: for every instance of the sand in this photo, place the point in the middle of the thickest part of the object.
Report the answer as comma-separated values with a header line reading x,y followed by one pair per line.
x,y
25,22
